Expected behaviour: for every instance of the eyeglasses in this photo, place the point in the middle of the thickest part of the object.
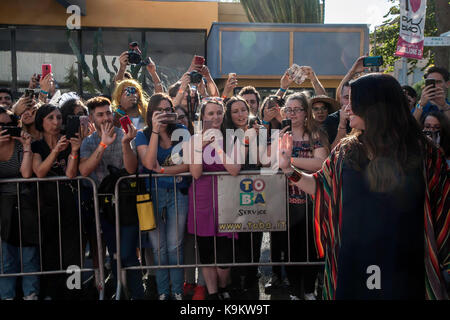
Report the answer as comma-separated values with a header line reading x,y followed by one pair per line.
x,y
212,99
293,110
165,110
130,90
319,109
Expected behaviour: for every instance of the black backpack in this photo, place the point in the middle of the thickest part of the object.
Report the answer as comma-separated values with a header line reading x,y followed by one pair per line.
x,y
127,197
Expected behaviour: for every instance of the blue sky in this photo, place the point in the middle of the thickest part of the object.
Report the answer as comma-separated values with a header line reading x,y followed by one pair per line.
x,y
356,11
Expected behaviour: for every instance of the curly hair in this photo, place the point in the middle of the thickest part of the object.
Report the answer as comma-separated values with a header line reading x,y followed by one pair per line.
x,y
142,96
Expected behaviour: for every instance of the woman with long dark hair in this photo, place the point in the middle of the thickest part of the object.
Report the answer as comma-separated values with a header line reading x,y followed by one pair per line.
x,y
155,147
55,155
437,127
381,192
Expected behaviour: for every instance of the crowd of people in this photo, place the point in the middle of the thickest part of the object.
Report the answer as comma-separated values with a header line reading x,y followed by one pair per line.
x,y
365,170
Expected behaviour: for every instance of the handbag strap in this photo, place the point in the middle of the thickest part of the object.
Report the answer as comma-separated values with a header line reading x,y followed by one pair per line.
x,y
138,185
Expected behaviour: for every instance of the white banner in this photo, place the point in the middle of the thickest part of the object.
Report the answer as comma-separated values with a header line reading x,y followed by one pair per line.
x,y
412,28
252,203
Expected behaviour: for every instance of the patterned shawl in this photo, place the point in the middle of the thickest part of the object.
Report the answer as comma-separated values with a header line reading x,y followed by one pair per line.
x,y
328,220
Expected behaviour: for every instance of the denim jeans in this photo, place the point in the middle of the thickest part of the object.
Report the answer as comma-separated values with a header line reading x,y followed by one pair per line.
x,y
11,264
167,238
129,241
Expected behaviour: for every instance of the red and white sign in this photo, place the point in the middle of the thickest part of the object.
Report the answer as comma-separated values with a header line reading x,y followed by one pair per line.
x,y
412,25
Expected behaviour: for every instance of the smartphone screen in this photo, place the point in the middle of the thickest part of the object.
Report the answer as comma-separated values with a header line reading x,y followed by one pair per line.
x,y
124,122
72,126
430,82
46,69
199,60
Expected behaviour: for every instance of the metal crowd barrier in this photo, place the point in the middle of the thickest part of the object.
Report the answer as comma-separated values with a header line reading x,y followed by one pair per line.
x,y
82,268
197,264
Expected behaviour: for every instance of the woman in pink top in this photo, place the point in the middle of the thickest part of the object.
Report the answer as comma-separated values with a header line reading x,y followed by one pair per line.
x,y
214,247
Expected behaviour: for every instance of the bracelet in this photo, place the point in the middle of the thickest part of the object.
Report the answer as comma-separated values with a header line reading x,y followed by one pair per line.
x,y
75,157
224,97
418,106
103,145
265,122
180,91
44,92
155,132
282,90
199,151
342,128
25,151
295,175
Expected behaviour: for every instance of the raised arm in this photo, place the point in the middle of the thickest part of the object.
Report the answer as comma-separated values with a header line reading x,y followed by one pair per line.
x,y
151,68
88,165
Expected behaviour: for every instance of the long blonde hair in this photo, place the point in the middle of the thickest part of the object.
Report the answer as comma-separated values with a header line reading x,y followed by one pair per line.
x,y
117,94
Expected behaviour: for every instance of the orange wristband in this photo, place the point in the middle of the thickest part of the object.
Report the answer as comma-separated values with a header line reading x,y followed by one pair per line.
x,y
162,170
103,145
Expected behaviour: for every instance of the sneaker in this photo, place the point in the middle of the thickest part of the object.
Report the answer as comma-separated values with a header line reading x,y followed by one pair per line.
x,y
293,297
188,289
310,296
163,297
199,293
177,296
273,283
32,296
224,294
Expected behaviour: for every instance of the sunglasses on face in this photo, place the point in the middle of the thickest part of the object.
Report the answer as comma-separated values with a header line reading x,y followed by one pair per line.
x,y
130,90
213,99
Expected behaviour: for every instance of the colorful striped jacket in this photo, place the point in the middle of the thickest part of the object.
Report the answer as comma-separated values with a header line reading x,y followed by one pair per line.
x,y
328,220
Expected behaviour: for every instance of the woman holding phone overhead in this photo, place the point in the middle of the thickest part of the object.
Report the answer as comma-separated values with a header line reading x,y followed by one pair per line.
x,y
55,155
379,195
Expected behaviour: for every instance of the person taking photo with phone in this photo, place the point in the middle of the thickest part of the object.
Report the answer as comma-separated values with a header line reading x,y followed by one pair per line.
x,y
56,155
434,95
19,245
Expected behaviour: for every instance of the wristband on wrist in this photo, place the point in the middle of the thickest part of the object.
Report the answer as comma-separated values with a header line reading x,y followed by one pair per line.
x,y
74,157
155,132
162,170
180,91
103,145
418,106
282,90
342,128
44,92
265,122
224,96
295,175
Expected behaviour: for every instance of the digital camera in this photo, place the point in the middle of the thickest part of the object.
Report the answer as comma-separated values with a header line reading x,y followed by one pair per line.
x,y
195,76
134,53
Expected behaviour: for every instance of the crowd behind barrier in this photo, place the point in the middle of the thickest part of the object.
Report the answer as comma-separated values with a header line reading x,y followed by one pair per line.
x,y
338,155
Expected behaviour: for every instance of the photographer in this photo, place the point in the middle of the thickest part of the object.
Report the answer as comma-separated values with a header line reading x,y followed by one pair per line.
x,y
56,155
16,162
25,108
434,96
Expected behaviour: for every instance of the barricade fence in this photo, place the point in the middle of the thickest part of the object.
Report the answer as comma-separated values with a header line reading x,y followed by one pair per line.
x,y
43,225
254,194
